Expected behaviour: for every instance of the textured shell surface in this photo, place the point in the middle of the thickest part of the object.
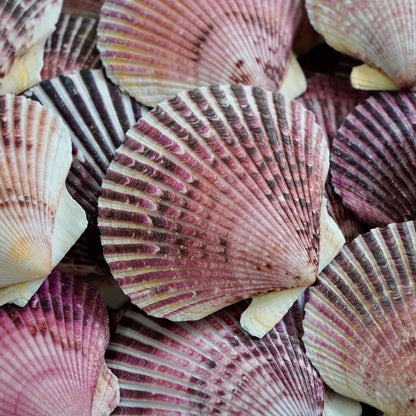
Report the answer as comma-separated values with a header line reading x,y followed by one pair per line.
x,y
52,353
373,159
84,8
155,49
359,326
97,115
40,221
379,33
71,47
209,367
215,196
25,26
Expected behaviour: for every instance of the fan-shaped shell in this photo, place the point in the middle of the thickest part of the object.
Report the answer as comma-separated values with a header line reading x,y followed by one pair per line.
x,y
215,196
209,367
71,47
97,115
155,49
373,159
379,33
52,353
25,26
39,220
359,326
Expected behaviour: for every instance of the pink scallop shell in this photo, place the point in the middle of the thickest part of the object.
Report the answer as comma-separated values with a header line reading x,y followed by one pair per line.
x,y
155,49
360,320
214,197
209,367
52,360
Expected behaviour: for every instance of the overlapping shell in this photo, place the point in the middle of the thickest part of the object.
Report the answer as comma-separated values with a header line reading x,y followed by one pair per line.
x,y
331,100
39,220
155,49
52,353
373,159
84,8
209,367
359,326
379,33
214,197
97,115
24,27
71,47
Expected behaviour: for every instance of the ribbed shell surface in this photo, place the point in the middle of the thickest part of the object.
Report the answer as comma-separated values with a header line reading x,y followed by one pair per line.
x,y
379,33
155,49
209,367
360,320
214,197
71,47
52,353
373,159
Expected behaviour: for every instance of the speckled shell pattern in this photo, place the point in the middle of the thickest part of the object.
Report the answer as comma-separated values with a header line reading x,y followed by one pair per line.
x,y
373,159
26,24
209,367
214,197
97,115
52,353
35,155
379,33
71,47
155,49
359,326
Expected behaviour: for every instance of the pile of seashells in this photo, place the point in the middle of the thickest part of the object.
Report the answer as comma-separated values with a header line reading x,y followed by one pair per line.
x,y
207,207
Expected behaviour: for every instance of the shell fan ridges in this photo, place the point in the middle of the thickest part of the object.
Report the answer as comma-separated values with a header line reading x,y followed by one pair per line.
x,y
209,367
39,220
359,326
219,191
155,49
52,360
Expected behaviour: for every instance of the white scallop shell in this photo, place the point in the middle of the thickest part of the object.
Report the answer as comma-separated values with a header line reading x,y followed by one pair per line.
x,y
215,196
359,326
155,49
209,367
25,26
39,220
52,353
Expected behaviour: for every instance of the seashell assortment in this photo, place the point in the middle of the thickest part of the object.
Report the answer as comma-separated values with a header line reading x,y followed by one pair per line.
x,y
226,190
155,49
52,353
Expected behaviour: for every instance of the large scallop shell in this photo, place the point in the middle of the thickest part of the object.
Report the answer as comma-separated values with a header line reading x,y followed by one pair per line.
x,y
71,47
373,159
379,33
97,115
360,320
39,220
24,27
52,353
209,367
155,49
214,197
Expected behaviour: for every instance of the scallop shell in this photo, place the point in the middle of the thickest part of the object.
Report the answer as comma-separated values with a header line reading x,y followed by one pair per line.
x,y
214,197
39,219
381,34
360,320
25,26
155,49
71,47
373,159
52,360
97,116
209,367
